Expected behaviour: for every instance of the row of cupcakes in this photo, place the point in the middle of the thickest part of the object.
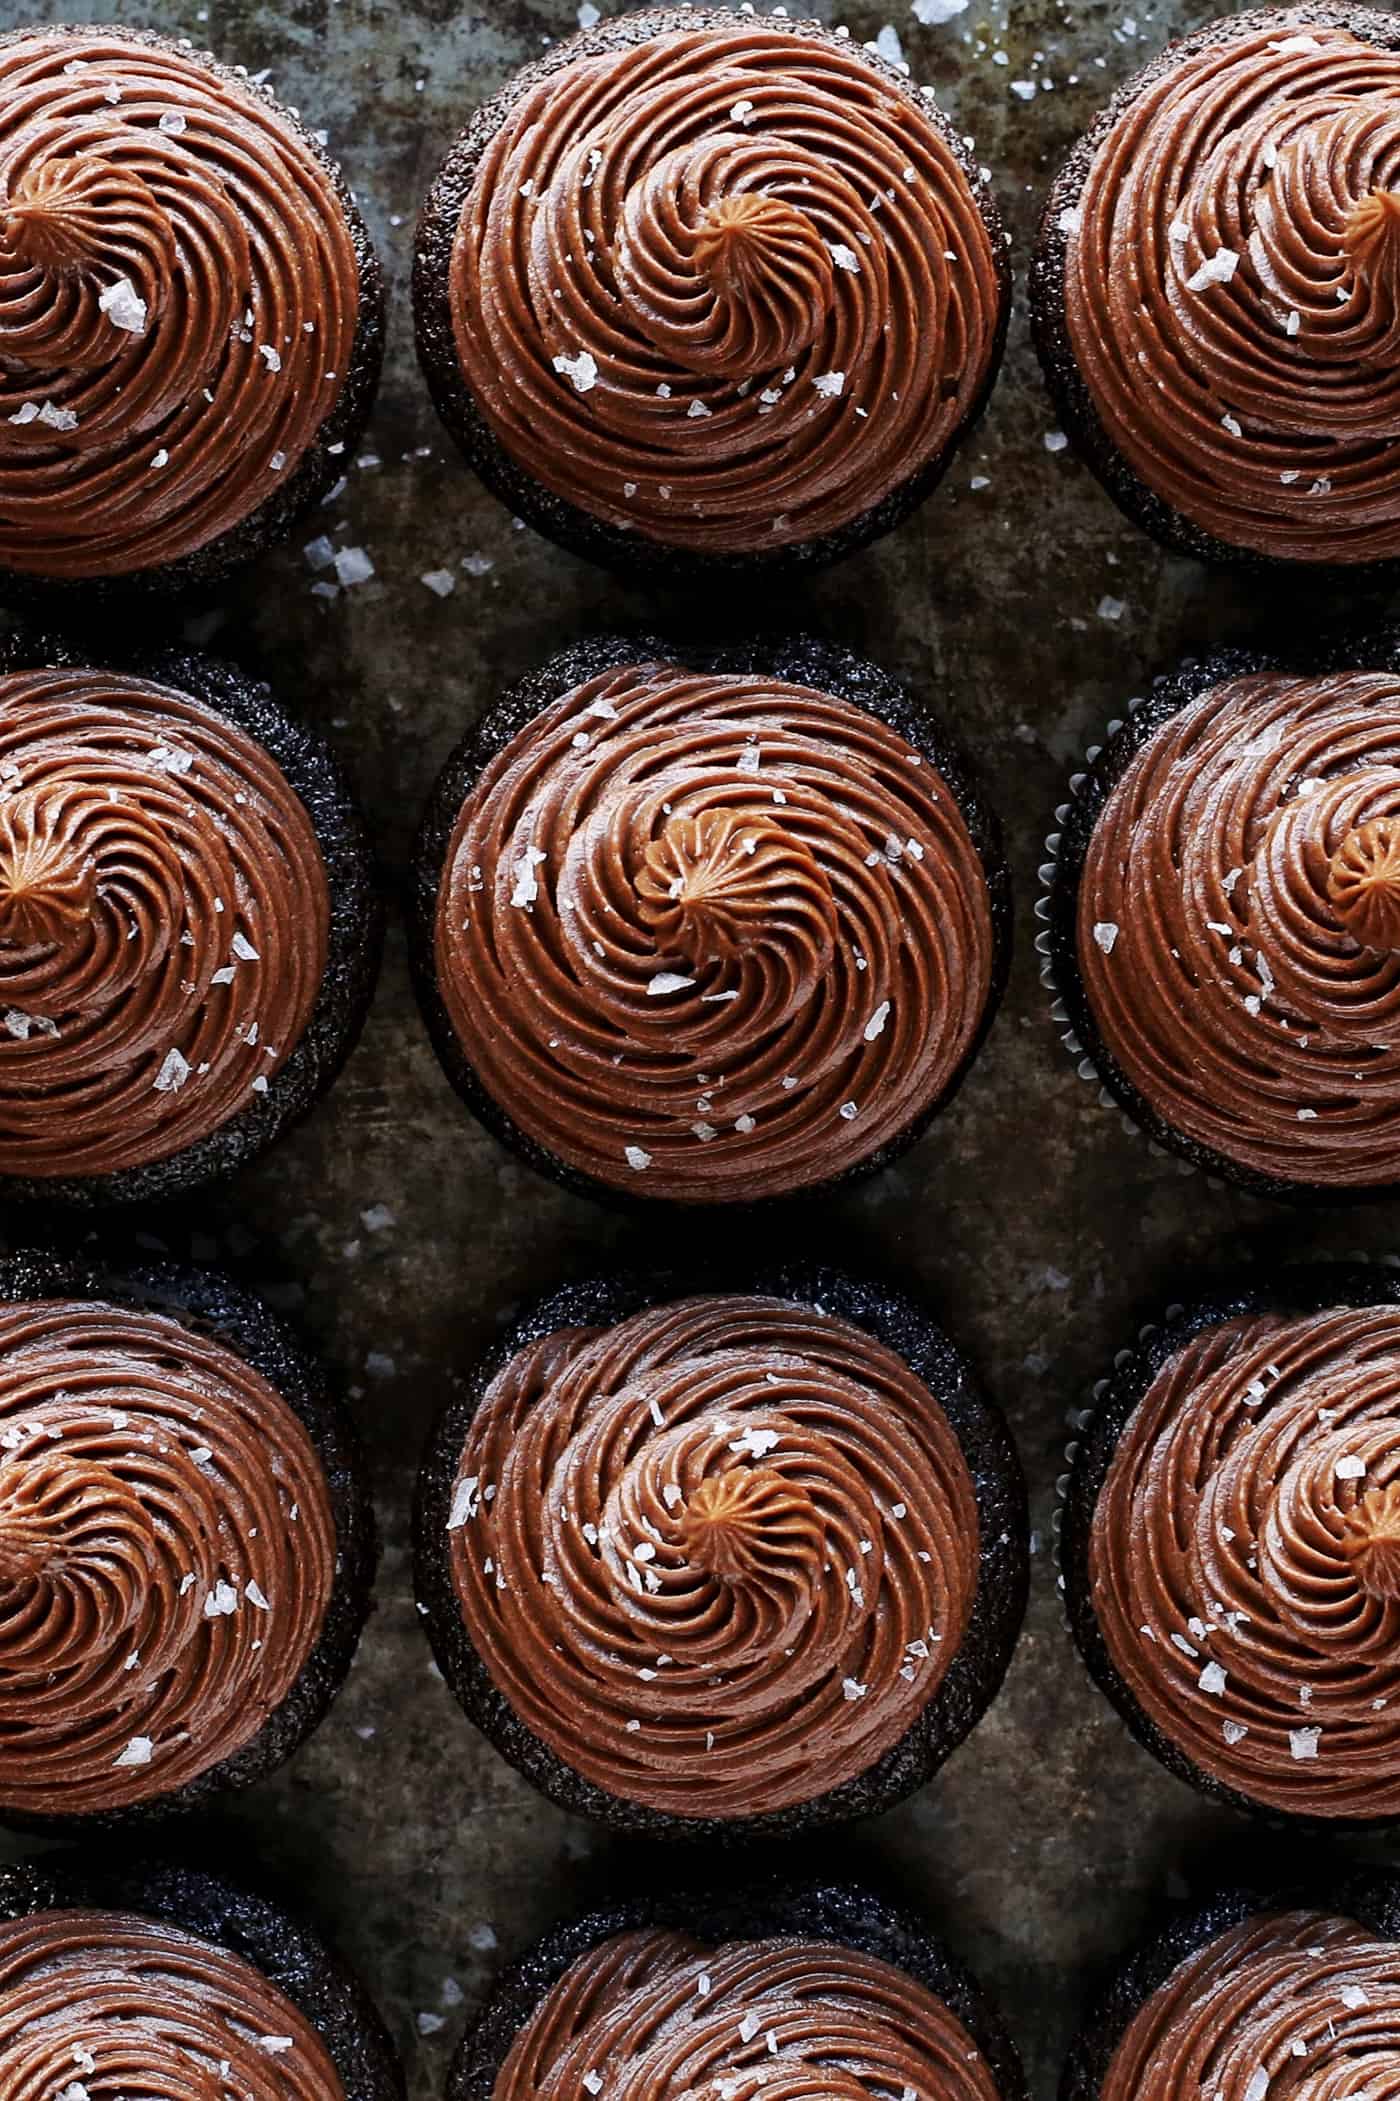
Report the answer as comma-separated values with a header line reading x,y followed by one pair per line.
x,y
170,1976
699,1559
698,291
712,925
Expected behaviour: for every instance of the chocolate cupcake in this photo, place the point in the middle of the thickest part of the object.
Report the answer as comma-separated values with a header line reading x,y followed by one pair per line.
x,y
1225,919
188,930
700,1991
712,926
1216,290
1283,1993
1231,1544
186,1543
699,294
170,1981
725,1562
190,313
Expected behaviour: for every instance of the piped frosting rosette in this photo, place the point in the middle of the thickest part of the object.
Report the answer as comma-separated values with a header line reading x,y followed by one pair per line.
x,y
164,921
1243,1557
712,937
167,1553
778,2020
717,1557
1236,928
724,287
1231,287
105,2002
179,298
1302,2003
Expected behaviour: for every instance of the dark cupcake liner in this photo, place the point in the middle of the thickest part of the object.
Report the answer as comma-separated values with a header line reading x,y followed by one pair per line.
x,y
325,459
972,1679
1305,1289
854,1916
1057,908
355,935
801,659
325,1991
1370,1896
210,1303
1073,401
575,529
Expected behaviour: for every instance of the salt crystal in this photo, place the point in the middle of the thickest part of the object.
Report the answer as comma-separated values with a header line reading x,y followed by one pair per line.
x,y
582,370
124,307
1218,269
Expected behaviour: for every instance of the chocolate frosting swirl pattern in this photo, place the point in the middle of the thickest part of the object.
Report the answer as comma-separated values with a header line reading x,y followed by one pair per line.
x,y
1245,1558
1232,290
712,937
1239,925
726,288
717,1557
769,2020
105,2003
167,1552
164,919
1297,2005
179,294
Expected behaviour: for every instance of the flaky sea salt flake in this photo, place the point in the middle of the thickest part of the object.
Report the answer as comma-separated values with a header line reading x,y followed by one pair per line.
x,y
124,307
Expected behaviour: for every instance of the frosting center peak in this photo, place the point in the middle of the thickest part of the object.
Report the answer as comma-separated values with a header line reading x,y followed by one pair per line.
x,y
714,884
48,883
1363,883
77,213
1372,241
748,1522
722,270
1371,1541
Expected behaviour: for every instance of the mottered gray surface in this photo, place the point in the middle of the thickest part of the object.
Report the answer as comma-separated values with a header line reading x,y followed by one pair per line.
x,y
400,1235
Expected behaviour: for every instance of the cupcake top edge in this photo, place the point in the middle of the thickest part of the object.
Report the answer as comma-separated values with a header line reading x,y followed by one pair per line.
x,y
733,212
687,923
1228,296
180,290
1240,1558
717,1555
168,1550
165,921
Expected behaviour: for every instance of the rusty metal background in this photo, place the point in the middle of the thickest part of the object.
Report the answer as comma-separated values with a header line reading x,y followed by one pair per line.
x,y
400,1235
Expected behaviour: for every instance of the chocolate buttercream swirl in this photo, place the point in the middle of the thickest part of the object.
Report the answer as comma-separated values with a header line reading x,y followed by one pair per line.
x,y
1232,290
164,917
1239,925
96,2005
1295,2006
167,1551
717,1557
724,288
663,2017
179,294
1245,1558
712,937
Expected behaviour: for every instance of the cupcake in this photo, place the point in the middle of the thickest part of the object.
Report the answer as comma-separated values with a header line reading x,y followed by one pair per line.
x,y
793,1991
186,1544
1232,1544
190,313
1225,919
188,929
727,1562
1286,1994
1216,290
699,294
144,1980
712,927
